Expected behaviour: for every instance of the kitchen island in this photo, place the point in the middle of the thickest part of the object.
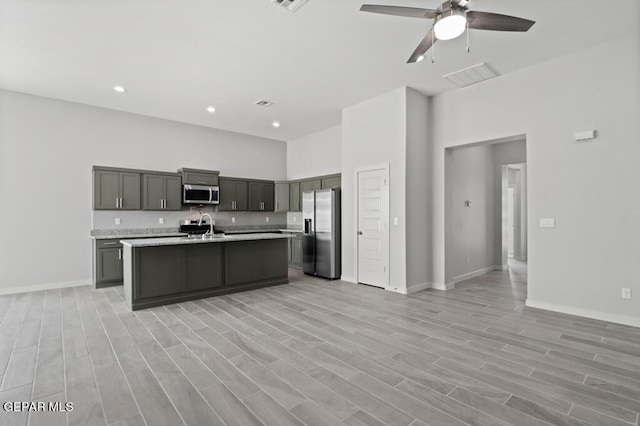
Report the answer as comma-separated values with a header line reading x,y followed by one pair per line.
x,y
162,271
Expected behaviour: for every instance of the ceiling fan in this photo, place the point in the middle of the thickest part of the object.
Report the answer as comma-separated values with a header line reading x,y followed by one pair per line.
x,y
451,20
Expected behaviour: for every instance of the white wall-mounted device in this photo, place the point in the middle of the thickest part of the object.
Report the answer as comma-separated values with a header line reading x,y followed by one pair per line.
x,y
585,136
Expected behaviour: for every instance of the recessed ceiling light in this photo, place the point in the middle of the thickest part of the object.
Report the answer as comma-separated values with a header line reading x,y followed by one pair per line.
x,y
276,124
211,109
119,89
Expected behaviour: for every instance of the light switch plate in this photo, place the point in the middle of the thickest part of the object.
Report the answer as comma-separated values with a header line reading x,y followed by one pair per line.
x,y
395,220
547,222
626,293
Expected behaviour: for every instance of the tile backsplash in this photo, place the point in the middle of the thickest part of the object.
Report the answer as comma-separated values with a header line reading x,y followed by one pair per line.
x,y
106,219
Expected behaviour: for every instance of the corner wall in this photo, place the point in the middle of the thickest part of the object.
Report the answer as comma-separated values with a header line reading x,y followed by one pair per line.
x,y
590,188
47,150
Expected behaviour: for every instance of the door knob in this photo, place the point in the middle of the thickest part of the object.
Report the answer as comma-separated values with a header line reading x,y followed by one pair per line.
x,y
359,232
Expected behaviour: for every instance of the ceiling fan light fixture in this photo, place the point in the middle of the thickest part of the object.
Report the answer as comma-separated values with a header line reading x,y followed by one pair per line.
x,y
450,24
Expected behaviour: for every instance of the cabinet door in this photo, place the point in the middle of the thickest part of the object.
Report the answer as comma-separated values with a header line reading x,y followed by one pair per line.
x,y
255,196
153,192
130,191
173,193
310,185
296,256
106,190
157,265
294,197
242,199
108,265
282,197
201,178
331,182
227,195
267,197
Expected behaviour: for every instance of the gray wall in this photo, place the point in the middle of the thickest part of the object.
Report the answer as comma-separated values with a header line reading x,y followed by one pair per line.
x,y
590,188
47,149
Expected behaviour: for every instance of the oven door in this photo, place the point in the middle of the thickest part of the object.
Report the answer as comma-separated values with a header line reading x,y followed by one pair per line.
x,y
200,194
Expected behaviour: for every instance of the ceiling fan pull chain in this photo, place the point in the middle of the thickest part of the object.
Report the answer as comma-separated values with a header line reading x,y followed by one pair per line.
x,y
468,48
433,48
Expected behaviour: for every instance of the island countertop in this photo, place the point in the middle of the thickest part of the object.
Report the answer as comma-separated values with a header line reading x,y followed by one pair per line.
x,y
170,241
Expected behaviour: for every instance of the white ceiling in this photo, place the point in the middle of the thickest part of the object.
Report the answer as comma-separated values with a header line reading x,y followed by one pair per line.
x,y
175,57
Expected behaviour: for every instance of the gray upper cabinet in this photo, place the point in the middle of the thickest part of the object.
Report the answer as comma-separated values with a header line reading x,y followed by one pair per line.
x,y
261,196
294,197
331,182
282,197
199,177
233,194
161,191
115,189
310,185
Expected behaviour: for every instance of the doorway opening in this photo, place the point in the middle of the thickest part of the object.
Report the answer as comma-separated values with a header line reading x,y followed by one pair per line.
x,y
485,210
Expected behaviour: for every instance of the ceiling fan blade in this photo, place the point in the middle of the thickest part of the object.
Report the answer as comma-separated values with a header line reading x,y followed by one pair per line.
x,y
412,12
422,48
497,22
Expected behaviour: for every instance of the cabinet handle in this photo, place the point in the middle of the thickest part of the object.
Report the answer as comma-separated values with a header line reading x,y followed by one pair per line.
x,y
161,203
276,206
164,204
120,202
113,243
117,203
119,254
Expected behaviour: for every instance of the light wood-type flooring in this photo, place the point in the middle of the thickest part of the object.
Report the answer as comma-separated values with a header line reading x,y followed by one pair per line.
x,y
317,352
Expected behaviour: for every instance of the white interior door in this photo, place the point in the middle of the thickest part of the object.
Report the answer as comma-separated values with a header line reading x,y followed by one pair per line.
x,y
373,227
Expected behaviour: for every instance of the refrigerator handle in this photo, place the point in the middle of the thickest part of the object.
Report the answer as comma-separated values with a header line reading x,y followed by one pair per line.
x,y
307,226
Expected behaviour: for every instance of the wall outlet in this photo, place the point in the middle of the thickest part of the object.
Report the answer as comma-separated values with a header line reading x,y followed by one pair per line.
x,y
117,221
626,293
233,220
295,219
161,221
266,219
395,220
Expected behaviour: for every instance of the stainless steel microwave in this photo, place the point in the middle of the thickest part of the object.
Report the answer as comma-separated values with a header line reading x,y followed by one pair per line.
x,y
200,194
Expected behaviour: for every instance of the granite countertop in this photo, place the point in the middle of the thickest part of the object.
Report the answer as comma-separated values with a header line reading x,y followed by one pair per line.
x,y
170,241
105,234
291,230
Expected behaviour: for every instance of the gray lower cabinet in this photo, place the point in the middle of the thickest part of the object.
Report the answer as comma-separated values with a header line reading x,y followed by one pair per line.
x,y
294,197
233,195
261,196
162,275
115,189
282,197
108,263
295,251
161,191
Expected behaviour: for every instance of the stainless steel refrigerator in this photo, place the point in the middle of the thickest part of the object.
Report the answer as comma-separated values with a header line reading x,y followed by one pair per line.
x,y
321,240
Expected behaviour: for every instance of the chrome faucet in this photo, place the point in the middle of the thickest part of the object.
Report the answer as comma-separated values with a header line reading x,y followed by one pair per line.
x,y
210,231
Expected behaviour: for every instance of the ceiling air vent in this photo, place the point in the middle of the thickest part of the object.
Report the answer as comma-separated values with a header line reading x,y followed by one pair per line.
x,y
472,75
290,5
264,103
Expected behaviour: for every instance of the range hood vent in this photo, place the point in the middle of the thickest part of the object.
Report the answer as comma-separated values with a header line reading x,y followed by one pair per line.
x,y
290,5
472,75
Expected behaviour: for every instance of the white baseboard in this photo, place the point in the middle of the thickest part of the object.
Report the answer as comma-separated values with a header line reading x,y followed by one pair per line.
x,y
476,273
587,313
443,287
40,287
417,287
348,279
